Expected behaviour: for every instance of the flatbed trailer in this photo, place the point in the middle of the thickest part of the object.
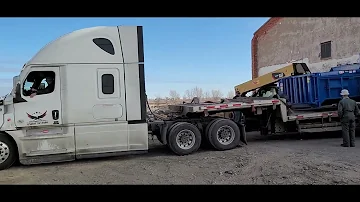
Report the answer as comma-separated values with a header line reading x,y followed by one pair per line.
x,y
270,116
209,120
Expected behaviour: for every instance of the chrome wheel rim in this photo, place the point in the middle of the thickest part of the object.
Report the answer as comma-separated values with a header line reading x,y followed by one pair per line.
x,y
225,135
185,139
4,152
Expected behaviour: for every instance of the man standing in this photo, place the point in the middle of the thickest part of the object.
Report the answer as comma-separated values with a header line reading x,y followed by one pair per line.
x,y
347,110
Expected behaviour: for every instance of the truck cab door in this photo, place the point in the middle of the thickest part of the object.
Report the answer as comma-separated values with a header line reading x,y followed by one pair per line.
x,y
44,108
39,118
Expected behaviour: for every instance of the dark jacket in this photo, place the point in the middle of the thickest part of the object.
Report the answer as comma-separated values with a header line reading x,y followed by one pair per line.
x,y
347,109
48,89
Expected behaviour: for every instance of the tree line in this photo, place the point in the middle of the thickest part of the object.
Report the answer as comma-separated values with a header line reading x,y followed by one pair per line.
x,y
175,97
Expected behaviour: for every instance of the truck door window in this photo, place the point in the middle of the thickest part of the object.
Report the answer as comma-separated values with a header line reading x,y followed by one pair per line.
x,y
41,82
107,81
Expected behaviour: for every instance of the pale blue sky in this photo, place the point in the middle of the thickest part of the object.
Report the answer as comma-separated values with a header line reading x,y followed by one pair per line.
x,y
180,53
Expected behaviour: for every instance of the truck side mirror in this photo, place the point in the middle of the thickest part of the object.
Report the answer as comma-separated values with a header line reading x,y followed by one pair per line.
x,y
17,95
17,91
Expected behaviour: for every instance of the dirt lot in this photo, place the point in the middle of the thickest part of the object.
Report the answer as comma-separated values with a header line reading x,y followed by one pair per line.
x,y
280,160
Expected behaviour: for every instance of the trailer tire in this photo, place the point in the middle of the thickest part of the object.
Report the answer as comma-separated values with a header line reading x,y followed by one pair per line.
x,y
208,140
224,134
8,152
184,138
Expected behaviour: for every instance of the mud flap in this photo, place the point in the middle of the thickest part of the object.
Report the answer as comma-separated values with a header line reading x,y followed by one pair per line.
x,y
242,134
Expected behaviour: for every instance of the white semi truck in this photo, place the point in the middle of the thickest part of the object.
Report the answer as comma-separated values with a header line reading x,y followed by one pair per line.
x,y
83,96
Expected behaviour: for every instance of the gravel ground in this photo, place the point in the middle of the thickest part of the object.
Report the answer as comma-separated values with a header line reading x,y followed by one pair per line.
x,y
314,159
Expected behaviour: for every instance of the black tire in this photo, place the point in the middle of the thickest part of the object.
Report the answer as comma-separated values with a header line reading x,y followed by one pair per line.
x,y
207,138
173,125
169,129
7,149
181,126
212,134
159,135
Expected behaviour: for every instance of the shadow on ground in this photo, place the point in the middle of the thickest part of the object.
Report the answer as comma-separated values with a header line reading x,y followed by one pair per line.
x,y
156,149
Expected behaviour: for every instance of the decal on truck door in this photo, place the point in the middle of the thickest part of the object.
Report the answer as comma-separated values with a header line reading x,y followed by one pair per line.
x,y
36,118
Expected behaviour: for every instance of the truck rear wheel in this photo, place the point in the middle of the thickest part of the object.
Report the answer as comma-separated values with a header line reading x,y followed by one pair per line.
x,y
8,152
207,131
184,138
224,134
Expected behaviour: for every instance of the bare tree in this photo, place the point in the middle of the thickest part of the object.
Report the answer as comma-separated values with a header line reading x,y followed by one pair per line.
x,y
216,94
184,97
197,92
157,101
188,94
230,94
207,95
174,96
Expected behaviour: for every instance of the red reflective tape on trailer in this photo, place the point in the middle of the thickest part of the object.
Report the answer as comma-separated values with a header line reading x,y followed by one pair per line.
x,y
275,101
236,105
325,114
223,106
210,107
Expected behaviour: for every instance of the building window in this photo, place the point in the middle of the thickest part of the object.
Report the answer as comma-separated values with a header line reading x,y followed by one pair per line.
x,y
325,50
107,81
105,45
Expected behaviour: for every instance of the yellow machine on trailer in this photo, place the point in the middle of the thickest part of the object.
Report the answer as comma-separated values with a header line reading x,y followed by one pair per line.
x,y
271,78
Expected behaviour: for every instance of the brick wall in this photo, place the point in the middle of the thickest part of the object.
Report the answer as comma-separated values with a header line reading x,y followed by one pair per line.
x,y
291,39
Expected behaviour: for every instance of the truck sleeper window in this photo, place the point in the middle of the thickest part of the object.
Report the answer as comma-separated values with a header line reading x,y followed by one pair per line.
x,y
105,45
41,82
107,81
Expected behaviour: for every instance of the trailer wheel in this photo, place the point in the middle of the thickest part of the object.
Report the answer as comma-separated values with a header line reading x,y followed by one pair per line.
x,y
224,134
208,140
184,138
8,152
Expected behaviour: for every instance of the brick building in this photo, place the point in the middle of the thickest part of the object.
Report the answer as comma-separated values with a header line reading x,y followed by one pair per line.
x,y
322,43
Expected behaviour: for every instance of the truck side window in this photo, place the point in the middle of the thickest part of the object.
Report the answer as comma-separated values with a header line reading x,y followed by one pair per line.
x,y
107,81
105,45
41,82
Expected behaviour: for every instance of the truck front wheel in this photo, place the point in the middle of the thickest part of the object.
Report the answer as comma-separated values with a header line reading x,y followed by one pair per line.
x,y
8,152
224,134
184,138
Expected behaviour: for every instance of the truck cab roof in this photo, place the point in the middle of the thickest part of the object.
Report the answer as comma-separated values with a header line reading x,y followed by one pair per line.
x,y
103,44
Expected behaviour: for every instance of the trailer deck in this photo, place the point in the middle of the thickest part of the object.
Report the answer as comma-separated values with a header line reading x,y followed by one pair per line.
x,y
229,104
299,115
